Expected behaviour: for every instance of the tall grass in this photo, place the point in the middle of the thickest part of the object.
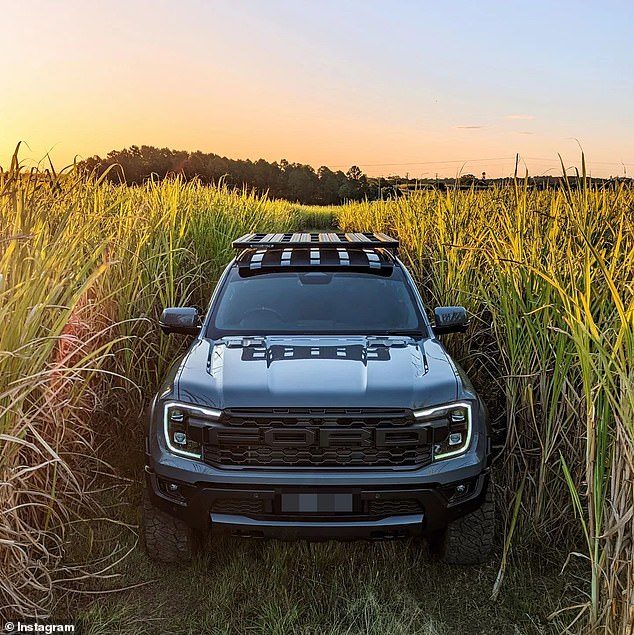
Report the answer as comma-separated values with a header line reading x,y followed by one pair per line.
x,y
84,269
548,277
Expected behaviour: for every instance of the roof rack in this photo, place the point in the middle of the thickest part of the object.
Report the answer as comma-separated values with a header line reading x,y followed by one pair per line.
x,y
305,258
322,239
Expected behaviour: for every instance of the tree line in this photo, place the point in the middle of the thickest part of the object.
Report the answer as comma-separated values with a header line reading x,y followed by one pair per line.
x,y
291,181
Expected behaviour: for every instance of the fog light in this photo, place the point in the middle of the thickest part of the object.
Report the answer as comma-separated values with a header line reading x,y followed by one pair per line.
x,y
455,438
172,490
461,489
180,438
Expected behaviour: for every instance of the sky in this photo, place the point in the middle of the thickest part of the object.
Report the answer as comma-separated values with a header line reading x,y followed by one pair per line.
x,y
401,87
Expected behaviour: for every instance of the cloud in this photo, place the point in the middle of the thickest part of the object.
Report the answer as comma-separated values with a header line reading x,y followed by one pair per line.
x,y
525,132
520,117
468,127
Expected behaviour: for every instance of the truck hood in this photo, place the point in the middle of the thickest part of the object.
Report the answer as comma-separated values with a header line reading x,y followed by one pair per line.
x,y
316,372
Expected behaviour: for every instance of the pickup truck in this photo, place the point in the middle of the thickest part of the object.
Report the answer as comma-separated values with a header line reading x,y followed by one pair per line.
x,y
317,402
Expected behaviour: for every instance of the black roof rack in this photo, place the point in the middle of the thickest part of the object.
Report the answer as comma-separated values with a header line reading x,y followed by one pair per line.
x,y
253,261
322,239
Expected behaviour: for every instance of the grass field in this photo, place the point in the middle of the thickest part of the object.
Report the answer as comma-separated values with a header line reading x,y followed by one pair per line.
x,y
85,269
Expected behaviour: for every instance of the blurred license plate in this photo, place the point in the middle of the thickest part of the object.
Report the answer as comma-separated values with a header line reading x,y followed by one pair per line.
x,y
328,503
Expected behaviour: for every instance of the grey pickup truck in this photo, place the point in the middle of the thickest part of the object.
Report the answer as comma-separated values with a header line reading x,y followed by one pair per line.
x,y
316,402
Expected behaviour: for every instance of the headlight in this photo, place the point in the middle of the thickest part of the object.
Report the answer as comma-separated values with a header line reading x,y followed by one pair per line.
x,y
451,426
184,426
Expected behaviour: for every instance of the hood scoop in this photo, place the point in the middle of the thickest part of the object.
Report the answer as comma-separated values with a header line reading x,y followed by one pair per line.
x,y
281,352
277,349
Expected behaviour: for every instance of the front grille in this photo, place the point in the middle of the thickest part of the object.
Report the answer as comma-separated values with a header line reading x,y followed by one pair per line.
x,y
317,457
308,438
302,417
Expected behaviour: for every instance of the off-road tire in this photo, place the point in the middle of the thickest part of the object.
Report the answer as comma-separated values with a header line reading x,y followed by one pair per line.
x,y
469,540
167,539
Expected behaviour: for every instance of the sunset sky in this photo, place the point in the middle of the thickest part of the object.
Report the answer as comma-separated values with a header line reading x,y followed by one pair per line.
x,y
394,87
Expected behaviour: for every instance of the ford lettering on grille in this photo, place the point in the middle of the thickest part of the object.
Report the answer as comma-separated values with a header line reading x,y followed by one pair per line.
x,y
318,437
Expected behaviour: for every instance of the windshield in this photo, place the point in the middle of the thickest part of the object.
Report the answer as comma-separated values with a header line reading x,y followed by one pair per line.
x,y
331,303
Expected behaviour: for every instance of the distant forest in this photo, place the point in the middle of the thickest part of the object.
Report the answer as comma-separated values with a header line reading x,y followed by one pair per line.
x,y
290,181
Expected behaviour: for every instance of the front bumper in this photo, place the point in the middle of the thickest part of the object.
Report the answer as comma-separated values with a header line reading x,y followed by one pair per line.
x,y
374,513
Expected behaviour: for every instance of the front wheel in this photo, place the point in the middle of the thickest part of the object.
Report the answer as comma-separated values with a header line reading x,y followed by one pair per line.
x,y
469,540
167,539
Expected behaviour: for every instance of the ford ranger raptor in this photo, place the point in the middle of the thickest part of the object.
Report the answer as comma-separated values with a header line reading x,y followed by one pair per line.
x,y
316,402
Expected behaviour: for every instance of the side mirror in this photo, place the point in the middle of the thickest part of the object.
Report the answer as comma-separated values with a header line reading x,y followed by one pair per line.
x,y
450,319
181,319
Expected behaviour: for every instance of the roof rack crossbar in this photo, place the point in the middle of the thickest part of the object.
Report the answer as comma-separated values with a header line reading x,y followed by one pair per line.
x,y
322,239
